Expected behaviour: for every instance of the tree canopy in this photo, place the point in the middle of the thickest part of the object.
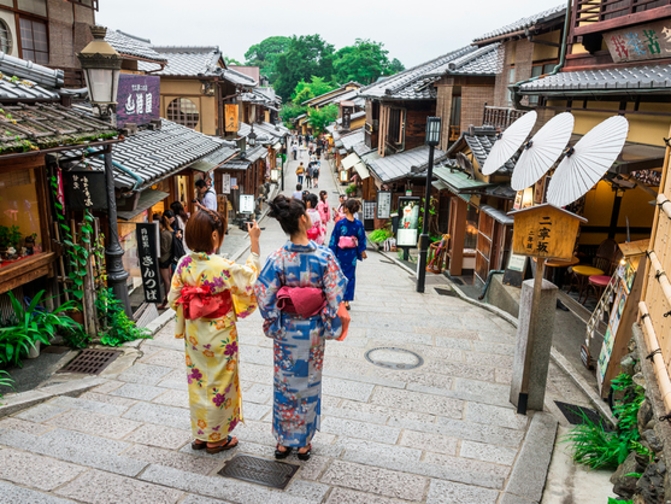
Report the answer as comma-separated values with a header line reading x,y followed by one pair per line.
x,y
363,62
320,118
265,53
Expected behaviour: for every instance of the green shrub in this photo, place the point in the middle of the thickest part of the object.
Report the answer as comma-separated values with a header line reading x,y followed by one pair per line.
x,y
116,327
380,235
351,189
5,381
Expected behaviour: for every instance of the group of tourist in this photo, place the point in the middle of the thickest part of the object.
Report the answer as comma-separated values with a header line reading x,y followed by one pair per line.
x,y
303,292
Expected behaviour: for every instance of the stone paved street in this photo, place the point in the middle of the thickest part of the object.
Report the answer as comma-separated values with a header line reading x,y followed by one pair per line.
x,y
442,433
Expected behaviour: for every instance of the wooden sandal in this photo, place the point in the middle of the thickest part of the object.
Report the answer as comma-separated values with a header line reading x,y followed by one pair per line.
x,y
306,454
282,454
231,442
198,445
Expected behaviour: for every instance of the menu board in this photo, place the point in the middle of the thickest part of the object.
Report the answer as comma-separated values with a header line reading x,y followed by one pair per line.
x,y
383,204
147,245
408,224
247,203
226,183
85,189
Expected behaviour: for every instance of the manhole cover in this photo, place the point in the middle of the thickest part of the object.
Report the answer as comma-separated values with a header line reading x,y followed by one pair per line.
x,y
258,470
91,361
394,358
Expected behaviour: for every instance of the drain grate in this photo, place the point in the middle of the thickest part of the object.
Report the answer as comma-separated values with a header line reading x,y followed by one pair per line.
x,y
573,414
394,358
444,291
258,470
91,361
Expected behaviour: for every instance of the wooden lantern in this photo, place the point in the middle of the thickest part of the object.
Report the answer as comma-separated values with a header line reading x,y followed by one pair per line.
x,y
545,231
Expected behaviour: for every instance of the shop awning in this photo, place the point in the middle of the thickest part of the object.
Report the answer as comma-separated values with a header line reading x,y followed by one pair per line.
x,y
350,161
440,185
202,166
277,146
459,182
497,215
361,169
148,198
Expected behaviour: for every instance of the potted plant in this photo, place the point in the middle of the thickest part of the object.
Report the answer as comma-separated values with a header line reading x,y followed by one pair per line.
x,y
351,190
379,236
10,236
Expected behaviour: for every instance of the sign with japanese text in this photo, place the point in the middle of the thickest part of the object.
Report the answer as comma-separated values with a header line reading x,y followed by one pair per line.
x,y
147,247
640,42
247,203
226,183
545,231
369,215
383,204
408,223
85,190
231,118
139,99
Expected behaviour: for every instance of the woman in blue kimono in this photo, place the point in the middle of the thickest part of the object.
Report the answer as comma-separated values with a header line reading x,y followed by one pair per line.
x,y
348,242
308,275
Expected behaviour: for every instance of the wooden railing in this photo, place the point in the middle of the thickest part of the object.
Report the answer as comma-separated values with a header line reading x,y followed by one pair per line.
x,y
588,14
500,117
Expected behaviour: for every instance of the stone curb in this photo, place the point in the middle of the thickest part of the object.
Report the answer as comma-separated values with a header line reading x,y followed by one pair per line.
x,y
23,400
556,357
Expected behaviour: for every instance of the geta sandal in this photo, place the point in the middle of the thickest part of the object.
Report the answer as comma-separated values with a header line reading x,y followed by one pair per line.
x,y
231,442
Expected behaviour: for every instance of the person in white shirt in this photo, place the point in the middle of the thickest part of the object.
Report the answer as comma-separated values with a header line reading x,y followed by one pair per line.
x,y
298,193
208,200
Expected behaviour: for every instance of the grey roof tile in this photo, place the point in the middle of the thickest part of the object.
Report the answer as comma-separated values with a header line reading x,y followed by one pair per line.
x,y
487,60
415,83
526,22
610,80
24,90
156,154
44,76
237,78
187,61
480,143
399,166
351,139
135,47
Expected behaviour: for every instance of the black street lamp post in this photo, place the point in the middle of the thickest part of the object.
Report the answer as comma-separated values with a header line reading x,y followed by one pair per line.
x,y
102,65
433,126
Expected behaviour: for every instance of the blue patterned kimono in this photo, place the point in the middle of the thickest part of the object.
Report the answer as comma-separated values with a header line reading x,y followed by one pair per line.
x,y
299,343
348,257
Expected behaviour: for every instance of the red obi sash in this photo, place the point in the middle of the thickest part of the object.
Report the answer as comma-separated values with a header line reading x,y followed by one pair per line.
x,y
199,302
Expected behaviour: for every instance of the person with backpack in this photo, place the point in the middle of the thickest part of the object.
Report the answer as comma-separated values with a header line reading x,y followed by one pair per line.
x,y
308,175
300,173
315,175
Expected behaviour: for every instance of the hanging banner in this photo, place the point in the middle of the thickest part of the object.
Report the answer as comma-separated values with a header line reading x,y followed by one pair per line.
x,y
231,123
147,245
85,190
383,204
139,99
226,183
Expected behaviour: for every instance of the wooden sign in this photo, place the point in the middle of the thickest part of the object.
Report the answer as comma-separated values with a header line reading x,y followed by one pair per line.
x,y
545,231
147,249
383,204
231,118
641,42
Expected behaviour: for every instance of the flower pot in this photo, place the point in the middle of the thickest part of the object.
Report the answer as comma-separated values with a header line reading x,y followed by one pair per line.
x,y
77,316
34,352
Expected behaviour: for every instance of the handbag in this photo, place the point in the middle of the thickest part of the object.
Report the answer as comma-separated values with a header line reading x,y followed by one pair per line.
x,y
345,319
347,242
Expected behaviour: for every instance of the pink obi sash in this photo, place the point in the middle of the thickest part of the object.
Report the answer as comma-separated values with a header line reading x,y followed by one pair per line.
x,y
304,301
199,302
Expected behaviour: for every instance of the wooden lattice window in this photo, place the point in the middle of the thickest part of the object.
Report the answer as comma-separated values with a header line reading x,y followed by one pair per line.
x,y
183,111
34,41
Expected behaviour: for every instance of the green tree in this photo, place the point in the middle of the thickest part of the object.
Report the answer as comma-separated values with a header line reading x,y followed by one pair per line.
x,y
290,111
265,53
308,90
320,118
231,61
395,67
304,57
363,62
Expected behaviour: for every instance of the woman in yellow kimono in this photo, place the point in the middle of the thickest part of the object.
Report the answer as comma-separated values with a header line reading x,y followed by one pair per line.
x,y
209,293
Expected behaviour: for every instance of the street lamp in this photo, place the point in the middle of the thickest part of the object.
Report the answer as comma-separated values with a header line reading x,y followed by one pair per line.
x,y
102,66
433,126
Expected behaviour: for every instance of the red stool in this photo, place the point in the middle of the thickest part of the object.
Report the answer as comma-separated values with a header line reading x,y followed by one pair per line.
x,y
598,283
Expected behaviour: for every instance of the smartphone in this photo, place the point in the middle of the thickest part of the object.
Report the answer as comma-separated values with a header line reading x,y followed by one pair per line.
x,y
252,223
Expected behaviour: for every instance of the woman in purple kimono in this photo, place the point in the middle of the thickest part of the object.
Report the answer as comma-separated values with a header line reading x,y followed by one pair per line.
x,y
298,293
348,243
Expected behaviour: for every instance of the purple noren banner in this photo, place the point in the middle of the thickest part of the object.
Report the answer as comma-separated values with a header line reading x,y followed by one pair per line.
x,y
139,99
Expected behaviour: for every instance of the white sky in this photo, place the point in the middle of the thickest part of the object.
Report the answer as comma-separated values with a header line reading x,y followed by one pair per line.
x,y
412,31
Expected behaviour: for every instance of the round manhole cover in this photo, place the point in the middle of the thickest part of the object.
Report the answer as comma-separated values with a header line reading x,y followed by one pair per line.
x,y
394,358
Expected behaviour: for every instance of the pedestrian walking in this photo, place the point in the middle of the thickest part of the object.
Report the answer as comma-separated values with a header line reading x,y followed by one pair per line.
x,y
308,175
348,243
294,150
300,173
303,271
209,293
317,232
207,198
181,218
339,211
315,175
165,234
323,208
298,193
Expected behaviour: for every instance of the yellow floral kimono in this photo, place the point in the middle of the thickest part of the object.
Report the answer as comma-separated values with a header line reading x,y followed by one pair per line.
x,y
212,343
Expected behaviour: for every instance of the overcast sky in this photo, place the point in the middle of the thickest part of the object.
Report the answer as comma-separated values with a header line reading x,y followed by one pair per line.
x,y
412,31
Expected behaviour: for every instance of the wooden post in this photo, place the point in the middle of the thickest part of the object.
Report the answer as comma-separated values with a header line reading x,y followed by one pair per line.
x,y
88,300
535,302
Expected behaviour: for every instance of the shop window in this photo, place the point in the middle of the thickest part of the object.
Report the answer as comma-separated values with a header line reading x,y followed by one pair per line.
x,y
471,239
34,41
537,71
183,111
511,81
395,132
5,38
20,234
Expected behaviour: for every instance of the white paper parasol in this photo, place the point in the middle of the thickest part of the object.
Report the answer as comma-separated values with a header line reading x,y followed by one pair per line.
x,y
511,140
588,161
541,152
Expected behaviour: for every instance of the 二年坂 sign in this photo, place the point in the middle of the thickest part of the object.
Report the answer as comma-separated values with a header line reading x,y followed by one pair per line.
x,y
640,42
139,99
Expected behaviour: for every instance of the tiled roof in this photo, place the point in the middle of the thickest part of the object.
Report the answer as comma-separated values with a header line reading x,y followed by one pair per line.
x,y
524,23
351,139
9,65
611,80
237,78
135,47
415,83
33,127
276,131
362,149
156,154
244,159
23,90
480,143
486,60
187,61
399,166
